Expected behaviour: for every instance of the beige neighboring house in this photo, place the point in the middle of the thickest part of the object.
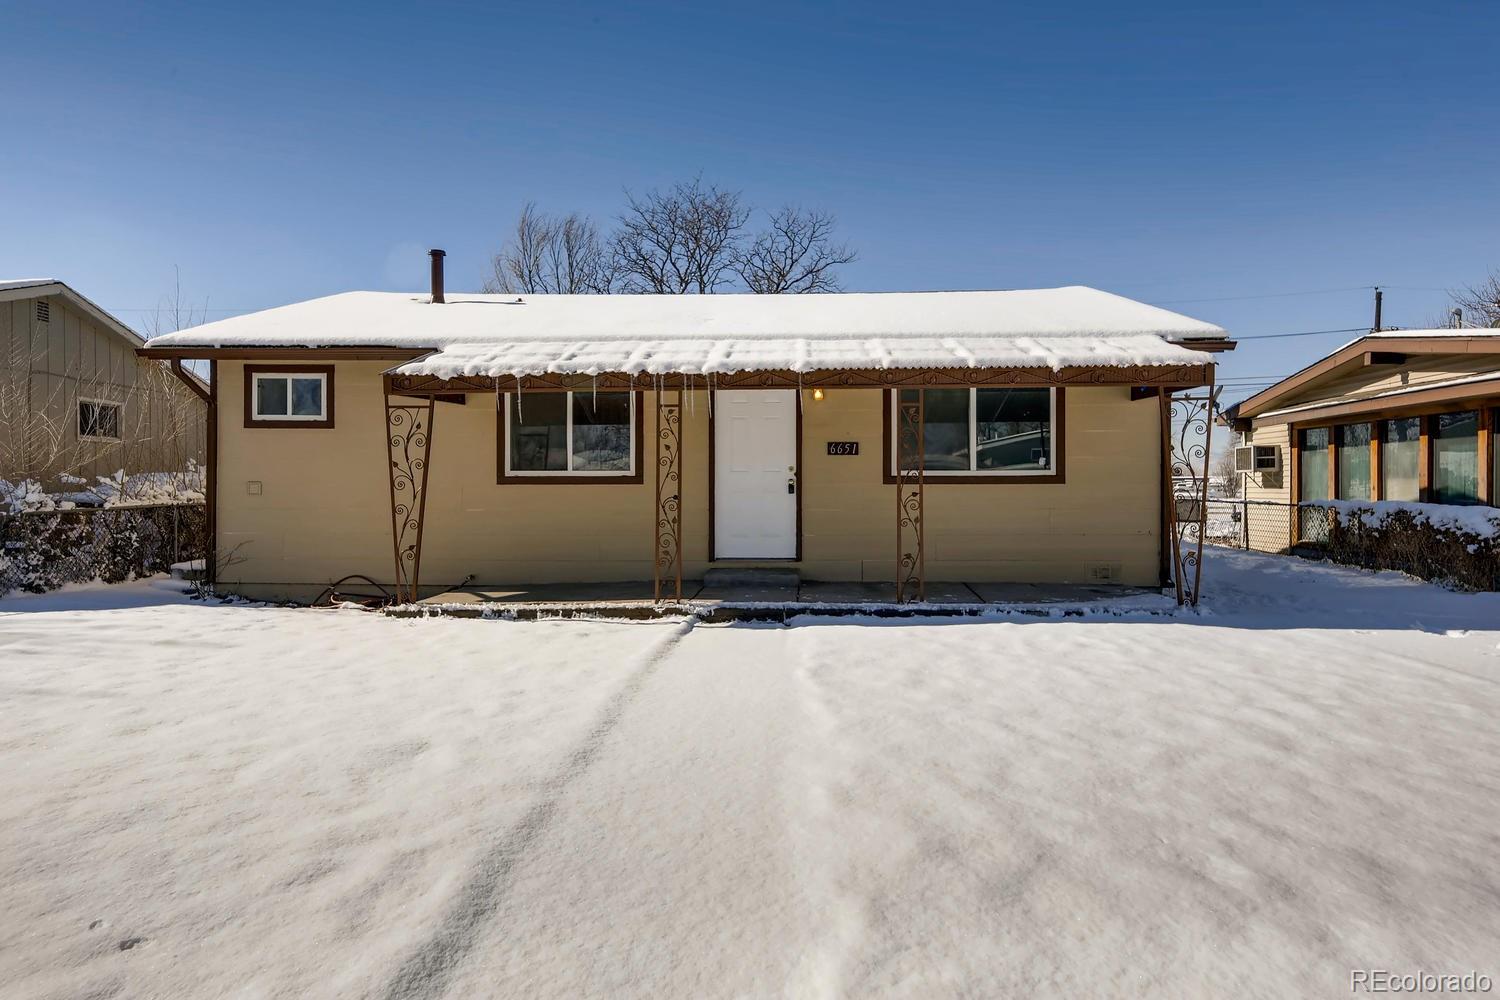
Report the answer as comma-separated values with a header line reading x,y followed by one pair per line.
x,y
77,402
420,439
1401,415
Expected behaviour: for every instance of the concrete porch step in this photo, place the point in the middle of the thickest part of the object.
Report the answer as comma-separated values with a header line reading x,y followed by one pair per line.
x,y
751,576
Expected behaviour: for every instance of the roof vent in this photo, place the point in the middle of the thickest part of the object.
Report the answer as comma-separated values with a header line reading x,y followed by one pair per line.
x,y
437,274
43,311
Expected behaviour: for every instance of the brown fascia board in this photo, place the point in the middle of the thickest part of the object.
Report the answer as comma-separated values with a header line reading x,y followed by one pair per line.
x,y
370,352
1464,396
1353,356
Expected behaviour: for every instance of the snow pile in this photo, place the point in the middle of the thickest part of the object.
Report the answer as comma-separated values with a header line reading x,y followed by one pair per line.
x,y
118,490
708,334
209,800
27,495
1478,520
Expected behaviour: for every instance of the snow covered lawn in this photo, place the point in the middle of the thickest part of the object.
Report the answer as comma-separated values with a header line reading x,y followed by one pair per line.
x,y
227,800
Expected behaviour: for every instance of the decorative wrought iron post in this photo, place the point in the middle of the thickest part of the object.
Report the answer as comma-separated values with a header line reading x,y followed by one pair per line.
x,y
1187,426
408,429
667,556
911,477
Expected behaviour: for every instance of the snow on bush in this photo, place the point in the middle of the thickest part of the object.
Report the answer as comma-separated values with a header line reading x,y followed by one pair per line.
x,y
1475,520
1453,545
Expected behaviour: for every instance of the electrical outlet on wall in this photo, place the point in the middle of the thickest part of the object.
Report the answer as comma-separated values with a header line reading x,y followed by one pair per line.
x,y
253,487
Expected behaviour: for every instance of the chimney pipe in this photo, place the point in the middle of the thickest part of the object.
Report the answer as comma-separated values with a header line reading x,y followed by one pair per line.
x,y
437,274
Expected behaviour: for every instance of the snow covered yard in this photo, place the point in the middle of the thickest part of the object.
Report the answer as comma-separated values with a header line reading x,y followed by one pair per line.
x,y
226,800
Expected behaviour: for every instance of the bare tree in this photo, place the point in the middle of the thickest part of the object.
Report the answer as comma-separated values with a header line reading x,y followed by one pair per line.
x,y
797,254
173,313
557,255
679,241
1480,303
1225,476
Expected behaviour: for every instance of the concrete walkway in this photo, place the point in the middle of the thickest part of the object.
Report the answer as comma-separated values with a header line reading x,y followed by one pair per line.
x,y
634,598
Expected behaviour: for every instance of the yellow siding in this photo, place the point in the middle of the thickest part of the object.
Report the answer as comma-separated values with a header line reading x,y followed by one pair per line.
x,y
324,512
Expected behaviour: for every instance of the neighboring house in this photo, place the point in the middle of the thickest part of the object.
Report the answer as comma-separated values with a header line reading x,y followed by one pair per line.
x,y
555,438
1396,415
76,402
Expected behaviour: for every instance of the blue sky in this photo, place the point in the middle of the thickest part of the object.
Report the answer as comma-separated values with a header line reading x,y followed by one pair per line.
x,y
1193,155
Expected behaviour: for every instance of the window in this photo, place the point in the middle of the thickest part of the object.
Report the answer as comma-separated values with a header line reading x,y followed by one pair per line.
x,y
577,435
1354,462
1455,457
1312,484
1401,459
1494,461
288,396
985,433
98,420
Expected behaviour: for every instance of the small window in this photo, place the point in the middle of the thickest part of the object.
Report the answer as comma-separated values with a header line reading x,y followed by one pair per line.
x,y
578,435
98,420
984,433
289,397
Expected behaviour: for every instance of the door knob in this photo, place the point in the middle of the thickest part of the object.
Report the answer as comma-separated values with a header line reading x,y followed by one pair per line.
x,y
791,486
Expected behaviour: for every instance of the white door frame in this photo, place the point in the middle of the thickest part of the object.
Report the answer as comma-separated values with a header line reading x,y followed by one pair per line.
x,y
713,477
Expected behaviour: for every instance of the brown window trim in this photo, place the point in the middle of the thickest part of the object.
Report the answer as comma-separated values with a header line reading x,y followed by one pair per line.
x,y
253,370
1059,447
636,478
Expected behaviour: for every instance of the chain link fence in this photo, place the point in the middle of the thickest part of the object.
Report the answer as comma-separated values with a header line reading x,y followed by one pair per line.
x,y
42,550
1397,540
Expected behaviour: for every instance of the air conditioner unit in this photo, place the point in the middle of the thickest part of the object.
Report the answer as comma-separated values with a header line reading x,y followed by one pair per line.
x,y
1258,458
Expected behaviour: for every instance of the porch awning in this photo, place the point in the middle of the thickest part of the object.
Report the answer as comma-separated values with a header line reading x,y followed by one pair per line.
x,y
706,358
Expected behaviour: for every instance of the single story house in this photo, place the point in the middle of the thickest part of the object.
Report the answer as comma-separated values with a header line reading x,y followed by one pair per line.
x,y
1404,415
421,439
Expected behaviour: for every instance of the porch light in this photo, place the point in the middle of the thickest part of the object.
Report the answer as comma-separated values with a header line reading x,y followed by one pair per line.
x,y
818,395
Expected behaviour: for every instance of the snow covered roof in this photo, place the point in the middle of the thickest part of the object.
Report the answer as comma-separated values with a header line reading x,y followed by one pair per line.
x,y
9,283
704,334
1481,340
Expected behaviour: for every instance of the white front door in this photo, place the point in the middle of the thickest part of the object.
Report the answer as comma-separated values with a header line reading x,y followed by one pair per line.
x,y
755,474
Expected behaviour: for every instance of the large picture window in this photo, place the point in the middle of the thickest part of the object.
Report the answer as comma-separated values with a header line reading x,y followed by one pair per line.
x,y
983,433
288,396
1314,457
1401,460
579,435
1455,457
1354,462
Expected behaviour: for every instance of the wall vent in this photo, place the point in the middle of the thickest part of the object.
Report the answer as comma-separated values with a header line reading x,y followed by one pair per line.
x,y
43,311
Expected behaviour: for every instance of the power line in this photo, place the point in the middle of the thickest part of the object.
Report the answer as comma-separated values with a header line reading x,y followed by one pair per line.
x,y
1270,295
1304,333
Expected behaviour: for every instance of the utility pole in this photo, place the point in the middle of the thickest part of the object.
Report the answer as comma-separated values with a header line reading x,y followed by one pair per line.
x,y
1377,309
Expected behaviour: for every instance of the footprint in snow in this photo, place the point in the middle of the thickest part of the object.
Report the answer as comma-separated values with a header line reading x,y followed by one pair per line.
x,y
128,943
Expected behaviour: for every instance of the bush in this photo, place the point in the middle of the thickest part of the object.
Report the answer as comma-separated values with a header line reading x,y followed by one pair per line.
x,y
42,550
1458,547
